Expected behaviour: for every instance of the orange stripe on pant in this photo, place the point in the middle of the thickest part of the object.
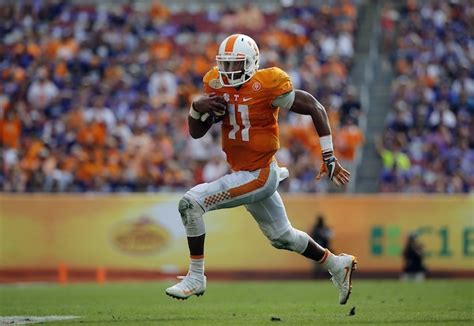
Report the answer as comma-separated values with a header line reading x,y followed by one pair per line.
x,y
325,256
252,185
229,46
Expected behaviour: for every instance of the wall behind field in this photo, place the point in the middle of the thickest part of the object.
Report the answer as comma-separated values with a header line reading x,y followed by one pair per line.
x,y
144,233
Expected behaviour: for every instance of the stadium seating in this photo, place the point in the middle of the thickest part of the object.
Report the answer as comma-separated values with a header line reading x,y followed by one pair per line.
x,y
428,141
95,98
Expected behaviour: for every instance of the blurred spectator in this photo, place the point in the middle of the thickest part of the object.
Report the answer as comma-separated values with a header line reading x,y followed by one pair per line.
x,y
388,20
42,92
442,115
396,165
350,108
413,256
162,88
247,18
10,131
322,234
349,139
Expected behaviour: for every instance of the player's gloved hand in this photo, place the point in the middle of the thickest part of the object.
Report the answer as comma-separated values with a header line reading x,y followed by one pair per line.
x,y
212,104
333,169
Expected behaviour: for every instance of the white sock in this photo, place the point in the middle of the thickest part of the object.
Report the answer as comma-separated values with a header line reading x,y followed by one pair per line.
x,y
196,266
329,260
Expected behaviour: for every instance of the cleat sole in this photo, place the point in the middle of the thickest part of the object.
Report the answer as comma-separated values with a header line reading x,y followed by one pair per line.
x,y
184,298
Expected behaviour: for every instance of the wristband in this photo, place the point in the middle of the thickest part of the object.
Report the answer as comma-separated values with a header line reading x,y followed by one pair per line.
x,y
326,143
326,148
194,114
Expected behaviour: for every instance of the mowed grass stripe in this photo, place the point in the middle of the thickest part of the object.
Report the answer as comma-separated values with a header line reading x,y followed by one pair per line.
x,y
443,302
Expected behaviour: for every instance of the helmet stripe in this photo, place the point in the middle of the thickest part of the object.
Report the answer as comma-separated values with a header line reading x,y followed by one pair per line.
x,y
229,46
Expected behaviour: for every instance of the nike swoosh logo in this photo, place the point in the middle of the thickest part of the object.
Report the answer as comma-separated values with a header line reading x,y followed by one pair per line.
x,y
189,292
333,167
347,273
245,99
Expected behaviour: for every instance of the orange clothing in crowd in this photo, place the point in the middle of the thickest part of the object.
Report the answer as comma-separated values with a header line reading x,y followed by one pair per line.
x,y
334,67
75,119
348,9
69,164
161,50
92,134
113,73
159,11
201,65
87,171
306,136
19,74
35,148
10,132
348,139
113,170
67,49
31,161
51,48
33,49
276,36
402,66
61,69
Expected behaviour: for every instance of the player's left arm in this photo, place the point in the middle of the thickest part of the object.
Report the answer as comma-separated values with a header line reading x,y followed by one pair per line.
x,y
305,103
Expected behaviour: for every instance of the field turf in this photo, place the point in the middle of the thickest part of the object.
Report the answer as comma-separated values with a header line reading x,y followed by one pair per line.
x,y
247,303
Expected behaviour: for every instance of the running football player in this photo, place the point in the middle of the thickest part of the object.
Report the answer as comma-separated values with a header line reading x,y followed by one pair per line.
x,y
248,100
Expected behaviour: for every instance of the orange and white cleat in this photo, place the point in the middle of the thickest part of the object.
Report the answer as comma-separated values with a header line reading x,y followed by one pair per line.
x,y
191,284
342,274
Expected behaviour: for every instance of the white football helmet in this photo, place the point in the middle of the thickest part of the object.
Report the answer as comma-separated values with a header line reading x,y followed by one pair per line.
x,y
237,60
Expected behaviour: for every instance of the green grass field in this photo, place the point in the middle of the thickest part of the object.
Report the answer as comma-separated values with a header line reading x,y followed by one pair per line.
x,y
247,303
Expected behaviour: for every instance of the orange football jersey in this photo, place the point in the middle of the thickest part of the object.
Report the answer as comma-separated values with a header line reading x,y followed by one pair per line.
x,y
250,126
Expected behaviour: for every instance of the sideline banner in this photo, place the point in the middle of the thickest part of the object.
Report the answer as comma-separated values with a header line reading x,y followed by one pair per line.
x,y
144,232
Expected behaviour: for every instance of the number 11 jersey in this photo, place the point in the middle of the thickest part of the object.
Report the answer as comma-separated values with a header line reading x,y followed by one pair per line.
x,y
250,126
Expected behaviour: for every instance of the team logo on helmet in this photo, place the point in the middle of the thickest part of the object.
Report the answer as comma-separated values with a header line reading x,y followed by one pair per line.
x,y
215,83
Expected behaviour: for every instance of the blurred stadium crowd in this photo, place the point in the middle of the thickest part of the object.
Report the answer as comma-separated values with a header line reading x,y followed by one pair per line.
x,y
428,144
96,97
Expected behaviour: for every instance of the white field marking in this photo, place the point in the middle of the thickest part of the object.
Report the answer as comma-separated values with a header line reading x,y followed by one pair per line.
x,y
22,320
27,284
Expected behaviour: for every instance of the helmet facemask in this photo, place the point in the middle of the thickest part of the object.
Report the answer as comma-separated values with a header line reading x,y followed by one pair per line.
x,y
234,70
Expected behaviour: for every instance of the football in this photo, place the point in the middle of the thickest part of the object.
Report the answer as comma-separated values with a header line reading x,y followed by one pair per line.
x,y
213,117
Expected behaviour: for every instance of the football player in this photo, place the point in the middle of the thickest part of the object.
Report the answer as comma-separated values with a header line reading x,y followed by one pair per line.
x,y
248,100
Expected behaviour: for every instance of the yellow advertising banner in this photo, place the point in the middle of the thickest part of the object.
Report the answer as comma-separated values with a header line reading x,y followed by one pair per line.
x,y
144,232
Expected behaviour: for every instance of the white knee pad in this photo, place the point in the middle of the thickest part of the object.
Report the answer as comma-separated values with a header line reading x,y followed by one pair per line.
x,y
292,239
191,214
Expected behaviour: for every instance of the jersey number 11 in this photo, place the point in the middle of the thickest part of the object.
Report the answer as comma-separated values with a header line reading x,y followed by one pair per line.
x,y
244,114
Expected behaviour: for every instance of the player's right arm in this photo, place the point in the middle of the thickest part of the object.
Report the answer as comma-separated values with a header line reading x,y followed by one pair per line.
x,y
207,105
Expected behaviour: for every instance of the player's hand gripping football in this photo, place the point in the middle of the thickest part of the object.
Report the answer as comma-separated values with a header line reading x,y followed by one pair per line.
x,y
212,104
331,166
